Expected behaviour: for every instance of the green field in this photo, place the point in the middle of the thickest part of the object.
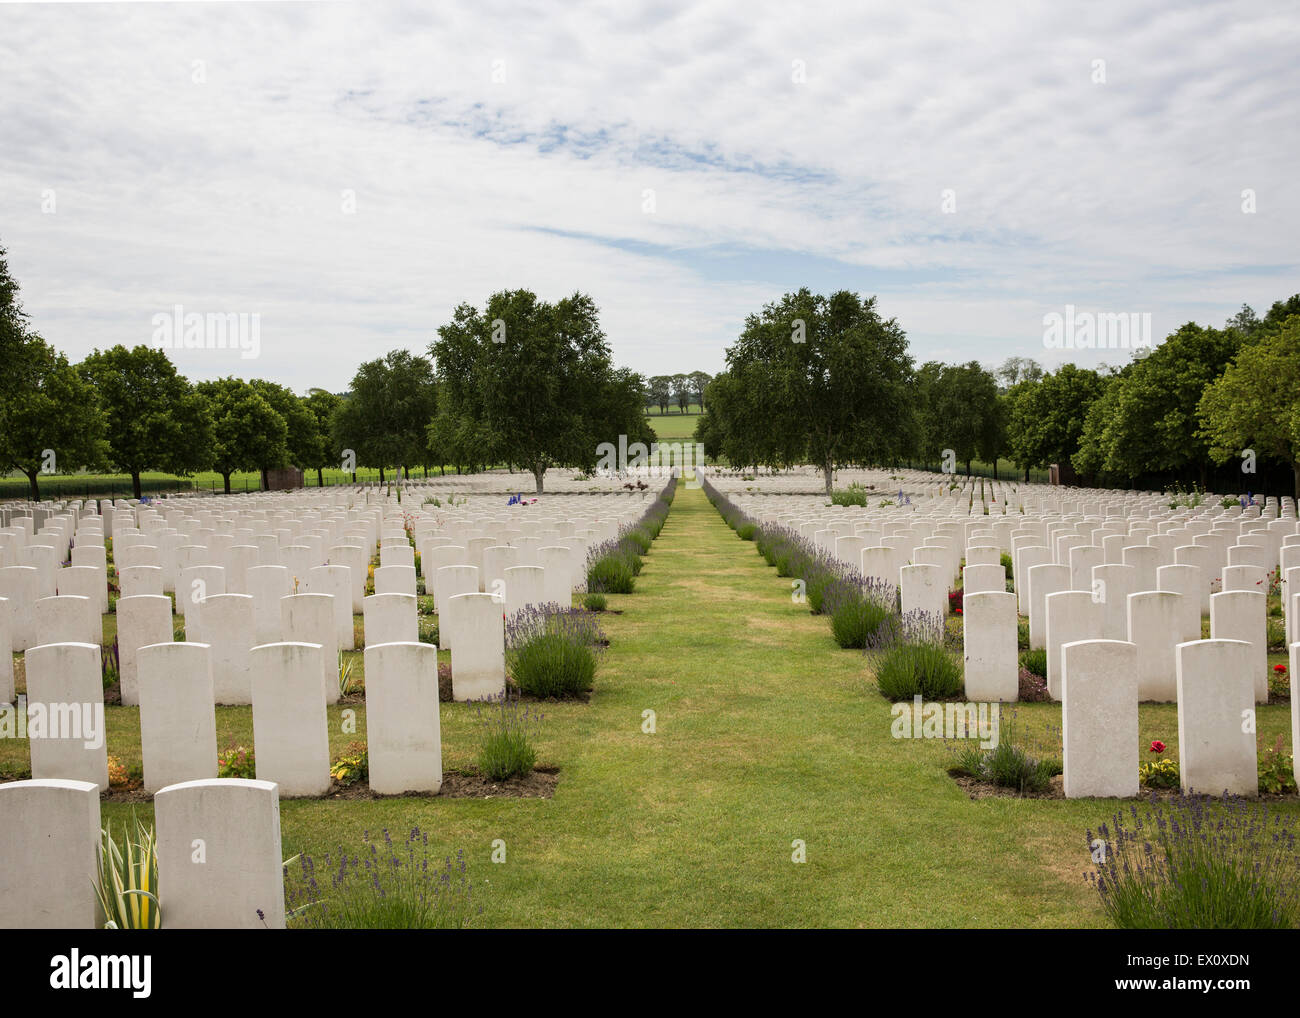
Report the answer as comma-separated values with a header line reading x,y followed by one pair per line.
x,y
674,427
766,734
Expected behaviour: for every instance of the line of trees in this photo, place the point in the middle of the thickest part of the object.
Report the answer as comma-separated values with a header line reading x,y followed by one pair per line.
x,y
827,381
681,391
531,384
522,382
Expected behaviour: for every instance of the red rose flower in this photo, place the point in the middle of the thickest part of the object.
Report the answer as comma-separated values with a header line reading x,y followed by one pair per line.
x,y
1279,668
1157,746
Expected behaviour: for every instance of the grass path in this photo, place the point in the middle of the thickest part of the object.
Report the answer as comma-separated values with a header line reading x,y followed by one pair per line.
x,y
766,733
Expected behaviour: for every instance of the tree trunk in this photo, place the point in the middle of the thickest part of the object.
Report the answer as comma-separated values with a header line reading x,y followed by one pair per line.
x,y
226,478
34,489
828,469
381,475
995,468
320,478
1026,473
539,473
135,482
1295,469
968,468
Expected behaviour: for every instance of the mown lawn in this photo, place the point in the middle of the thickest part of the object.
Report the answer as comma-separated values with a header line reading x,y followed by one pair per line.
x,y
674,427
766,733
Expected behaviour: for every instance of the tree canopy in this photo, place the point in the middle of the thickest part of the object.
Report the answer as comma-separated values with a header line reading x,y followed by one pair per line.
x,y
1146,419
959,408
247,432
154,420
385,416
52,421
537,381
1255,404
1046,417
816,378
809,379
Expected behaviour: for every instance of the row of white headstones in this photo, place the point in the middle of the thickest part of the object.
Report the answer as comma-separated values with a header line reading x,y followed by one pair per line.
x,y
283,660
1114,587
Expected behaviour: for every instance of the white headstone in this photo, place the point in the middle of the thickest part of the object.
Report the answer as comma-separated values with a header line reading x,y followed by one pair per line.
x,y
309,618
391,618
1072,615
525,586
18,587
337,582
477,627
1155,620
1049,578
989,636
1241,615
219,855
178,725
1216,747
1099,719
924,589
266,585
142,620
7,693
68,619
65,713
290,730
225,623
403,731
50,869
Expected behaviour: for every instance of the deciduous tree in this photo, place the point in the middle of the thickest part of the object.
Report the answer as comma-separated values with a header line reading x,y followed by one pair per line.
x,y
154,420
1255,404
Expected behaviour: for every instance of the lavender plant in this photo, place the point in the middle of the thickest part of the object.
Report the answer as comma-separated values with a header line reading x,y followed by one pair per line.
x,y
506,748
1196,862
552,651
612,567
110,665
858,607
912,657
1019,761
384,886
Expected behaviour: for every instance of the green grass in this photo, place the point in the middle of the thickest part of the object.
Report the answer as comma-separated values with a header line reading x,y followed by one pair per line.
x,y
766,732
674,427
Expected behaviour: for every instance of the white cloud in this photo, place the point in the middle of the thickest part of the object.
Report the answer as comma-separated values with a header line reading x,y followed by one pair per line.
x,y
226,195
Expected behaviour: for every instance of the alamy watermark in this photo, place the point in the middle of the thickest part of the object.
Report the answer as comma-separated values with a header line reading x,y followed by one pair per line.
x,y
918,720
72,721
191,330
75,971
1086,330
659,459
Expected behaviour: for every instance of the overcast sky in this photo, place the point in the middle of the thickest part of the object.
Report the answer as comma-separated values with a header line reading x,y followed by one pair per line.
x,y
352,171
